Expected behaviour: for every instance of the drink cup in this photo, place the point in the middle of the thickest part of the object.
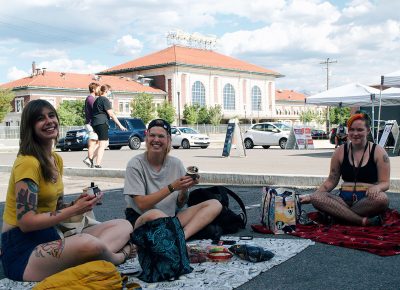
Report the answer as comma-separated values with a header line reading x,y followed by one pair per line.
x,y
192,171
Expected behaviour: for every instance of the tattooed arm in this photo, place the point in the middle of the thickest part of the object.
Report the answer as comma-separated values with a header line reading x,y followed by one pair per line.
x,y
383,164
334,174
28,219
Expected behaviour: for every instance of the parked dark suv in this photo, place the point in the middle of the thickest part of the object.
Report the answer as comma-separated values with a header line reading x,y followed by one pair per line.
x,y
77,139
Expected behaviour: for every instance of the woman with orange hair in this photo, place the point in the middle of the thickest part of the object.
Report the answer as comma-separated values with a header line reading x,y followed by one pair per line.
x,y
365,171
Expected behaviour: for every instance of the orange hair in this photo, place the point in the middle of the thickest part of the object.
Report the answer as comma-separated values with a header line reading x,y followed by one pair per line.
x,y
359,116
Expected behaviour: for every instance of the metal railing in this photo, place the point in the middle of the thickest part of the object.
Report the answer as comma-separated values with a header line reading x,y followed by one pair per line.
x,y
12,132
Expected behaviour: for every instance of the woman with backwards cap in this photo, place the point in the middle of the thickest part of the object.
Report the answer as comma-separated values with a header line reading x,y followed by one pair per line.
x,y
156,185
365,170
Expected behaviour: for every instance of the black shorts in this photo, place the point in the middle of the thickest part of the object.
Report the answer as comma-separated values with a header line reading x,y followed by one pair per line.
x,y
101,131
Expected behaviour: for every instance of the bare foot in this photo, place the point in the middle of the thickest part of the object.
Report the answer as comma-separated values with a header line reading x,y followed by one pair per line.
x,y
305,198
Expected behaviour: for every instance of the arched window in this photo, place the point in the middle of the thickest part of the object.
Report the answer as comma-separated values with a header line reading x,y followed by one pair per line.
x,y
256,99
229,97
198,94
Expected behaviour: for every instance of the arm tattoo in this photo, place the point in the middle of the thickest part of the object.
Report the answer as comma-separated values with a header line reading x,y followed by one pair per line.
x,y
53,249
385,158
27,198
334,175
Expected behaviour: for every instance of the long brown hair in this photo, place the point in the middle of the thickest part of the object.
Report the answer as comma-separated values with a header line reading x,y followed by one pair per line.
x,y
29,144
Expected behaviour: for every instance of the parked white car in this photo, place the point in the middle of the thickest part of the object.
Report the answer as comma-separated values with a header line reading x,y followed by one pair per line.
x,y
266,135
188,137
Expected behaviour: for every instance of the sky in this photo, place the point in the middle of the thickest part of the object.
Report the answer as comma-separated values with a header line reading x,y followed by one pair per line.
x,y
294,38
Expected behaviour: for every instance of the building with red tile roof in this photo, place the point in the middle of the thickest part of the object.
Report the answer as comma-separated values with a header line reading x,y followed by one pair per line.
x,y
182,75
193,75
289,105
59,86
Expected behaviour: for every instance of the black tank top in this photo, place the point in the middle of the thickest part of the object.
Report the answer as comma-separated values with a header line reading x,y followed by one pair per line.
x,y
366,174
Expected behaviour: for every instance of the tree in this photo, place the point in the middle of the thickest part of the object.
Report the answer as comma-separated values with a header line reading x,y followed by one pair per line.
x,y
215,114
72,113
307,116
339,115
204,117
191,113
167,112
6,96
143,107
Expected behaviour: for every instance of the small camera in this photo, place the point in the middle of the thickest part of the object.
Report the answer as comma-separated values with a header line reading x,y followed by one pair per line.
x,y
95,190
192,171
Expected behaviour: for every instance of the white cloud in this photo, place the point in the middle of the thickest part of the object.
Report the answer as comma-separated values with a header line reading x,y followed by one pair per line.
x,y
128,46
72,65
14,73
357,8
44,53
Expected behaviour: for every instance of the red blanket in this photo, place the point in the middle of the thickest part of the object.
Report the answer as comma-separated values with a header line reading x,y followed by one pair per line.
x,y
381,240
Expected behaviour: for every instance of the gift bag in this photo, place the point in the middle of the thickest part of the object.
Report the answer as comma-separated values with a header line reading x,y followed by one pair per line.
x,y
161,250
278,210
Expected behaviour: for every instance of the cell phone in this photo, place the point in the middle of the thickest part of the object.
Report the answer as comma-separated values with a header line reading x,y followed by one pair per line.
x,y
223,242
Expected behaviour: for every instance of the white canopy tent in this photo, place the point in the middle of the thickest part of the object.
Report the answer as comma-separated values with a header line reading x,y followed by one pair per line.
x,y
354,94
391,80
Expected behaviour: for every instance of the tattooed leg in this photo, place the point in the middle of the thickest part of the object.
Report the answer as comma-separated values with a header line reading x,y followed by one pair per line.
x,y
52,249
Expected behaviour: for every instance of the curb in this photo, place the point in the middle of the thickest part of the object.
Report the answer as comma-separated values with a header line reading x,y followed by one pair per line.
x,y
226,178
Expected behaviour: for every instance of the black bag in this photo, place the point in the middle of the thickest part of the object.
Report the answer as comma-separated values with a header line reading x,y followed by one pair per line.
x,y
227,222
162,250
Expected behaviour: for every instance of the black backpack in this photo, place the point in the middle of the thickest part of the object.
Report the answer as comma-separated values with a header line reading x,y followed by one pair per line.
x,y
227,222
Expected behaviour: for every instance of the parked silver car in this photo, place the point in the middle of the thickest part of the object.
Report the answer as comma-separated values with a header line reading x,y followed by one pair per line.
x,y
188,137
266,135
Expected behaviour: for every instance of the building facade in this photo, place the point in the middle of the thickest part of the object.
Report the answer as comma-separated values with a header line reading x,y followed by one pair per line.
x,y
197,76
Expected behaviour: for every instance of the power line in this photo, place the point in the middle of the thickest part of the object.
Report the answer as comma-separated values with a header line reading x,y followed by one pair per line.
x,y
327,62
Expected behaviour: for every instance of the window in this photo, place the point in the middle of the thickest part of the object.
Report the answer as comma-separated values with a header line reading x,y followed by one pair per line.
x,y
229,97
198,94
123,107
19,105
256,99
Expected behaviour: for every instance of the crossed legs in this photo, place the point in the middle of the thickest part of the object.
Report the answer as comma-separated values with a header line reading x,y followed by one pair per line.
x,y
356,214
100,242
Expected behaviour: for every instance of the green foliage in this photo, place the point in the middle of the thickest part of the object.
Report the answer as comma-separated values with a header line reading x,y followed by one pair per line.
x,y
191,113
6,96
339,115
204,117
167,112
307,116
215,114
143,107
72,113
321,118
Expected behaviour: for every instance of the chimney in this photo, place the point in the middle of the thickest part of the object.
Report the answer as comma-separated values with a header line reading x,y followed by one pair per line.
x,y
33,68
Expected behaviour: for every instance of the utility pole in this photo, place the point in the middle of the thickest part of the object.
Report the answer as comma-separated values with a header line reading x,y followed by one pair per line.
x,y
327,62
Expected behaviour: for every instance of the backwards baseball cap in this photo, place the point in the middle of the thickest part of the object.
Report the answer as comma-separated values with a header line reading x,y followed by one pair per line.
x,y
160,123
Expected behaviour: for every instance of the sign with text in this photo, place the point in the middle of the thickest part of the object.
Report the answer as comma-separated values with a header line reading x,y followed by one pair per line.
x,y
233,137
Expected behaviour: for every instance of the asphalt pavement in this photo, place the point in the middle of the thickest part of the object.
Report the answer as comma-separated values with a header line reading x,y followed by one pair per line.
x,y
318,267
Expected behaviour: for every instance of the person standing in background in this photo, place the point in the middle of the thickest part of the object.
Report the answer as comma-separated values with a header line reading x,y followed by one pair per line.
x,y
102,112
92,138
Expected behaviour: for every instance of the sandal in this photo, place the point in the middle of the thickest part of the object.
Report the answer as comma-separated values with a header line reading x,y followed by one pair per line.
x,y
131,253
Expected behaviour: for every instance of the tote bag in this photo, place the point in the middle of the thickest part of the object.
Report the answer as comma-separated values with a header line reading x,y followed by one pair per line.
x,y
278,210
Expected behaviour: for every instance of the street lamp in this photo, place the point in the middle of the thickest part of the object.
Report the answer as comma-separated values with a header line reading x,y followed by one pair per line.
x,y
179,108
245,117
258,111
